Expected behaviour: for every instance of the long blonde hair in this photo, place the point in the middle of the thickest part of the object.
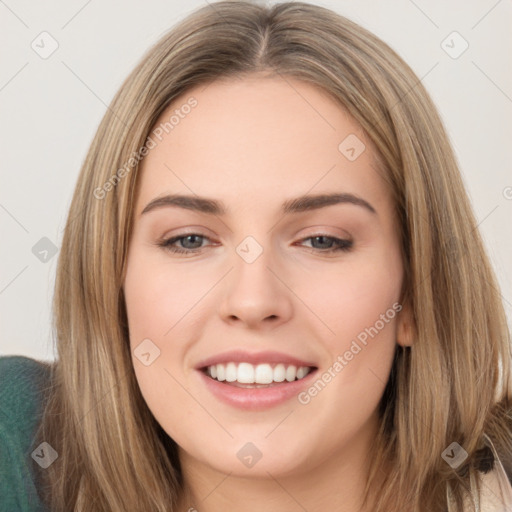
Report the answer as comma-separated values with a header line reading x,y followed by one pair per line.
x,y
452,385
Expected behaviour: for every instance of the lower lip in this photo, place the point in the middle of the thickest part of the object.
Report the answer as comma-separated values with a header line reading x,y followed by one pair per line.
x,y
256,399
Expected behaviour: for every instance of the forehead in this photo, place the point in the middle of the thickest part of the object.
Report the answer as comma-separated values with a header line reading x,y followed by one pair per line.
x,y
258,137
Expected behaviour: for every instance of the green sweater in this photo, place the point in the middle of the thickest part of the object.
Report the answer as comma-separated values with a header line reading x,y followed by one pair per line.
x,y
22,384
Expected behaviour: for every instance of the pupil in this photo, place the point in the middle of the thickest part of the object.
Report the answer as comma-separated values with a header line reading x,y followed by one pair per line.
x,y
322,238
191,237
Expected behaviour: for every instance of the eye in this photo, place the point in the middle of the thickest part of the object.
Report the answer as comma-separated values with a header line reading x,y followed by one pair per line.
x,y
191,243
329,244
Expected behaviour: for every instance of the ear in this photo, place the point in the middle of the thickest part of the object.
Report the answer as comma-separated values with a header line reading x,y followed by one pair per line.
x,y
405,328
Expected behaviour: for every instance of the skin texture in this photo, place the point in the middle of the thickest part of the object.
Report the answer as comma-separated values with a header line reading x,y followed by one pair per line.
x,y
253,144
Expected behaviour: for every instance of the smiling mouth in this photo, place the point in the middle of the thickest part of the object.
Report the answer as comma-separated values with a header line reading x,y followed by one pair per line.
x,y
247,375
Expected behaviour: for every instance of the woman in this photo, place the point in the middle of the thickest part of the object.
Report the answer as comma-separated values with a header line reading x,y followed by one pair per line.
x,y
271,289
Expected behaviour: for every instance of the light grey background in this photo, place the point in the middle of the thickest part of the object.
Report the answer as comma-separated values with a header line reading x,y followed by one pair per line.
x,y
51,108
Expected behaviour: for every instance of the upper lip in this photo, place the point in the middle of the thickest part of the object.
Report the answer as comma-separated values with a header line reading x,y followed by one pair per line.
x,y
240,356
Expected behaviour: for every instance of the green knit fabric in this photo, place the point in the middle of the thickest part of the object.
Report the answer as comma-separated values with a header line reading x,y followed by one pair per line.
x,y
22,384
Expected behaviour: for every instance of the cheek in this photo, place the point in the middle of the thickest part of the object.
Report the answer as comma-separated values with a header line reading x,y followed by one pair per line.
x,y
157,302
358,307
163,303
159,297
355,297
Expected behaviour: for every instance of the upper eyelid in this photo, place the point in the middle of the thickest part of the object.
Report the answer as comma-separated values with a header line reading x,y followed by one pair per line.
x,y
317,230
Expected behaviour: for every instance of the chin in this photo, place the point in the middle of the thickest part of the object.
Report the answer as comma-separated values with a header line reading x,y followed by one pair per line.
x,y
255,458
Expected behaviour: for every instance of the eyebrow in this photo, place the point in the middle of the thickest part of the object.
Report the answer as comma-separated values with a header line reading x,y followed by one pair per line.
x,y
296,205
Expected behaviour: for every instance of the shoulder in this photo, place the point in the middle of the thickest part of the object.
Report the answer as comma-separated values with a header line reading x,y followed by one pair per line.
x,y
21,369
24,383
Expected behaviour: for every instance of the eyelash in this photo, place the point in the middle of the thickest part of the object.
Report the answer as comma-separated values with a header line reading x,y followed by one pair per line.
x,y
342,245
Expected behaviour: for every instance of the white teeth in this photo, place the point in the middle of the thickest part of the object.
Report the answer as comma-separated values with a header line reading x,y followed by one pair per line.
x,y
221,372
231,372
279,373
291,373
264,374
246,373
301,372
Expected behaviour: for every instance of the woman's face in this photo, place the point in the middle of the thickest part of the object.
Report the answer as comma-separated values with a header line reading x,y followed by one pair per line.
x,y
266,279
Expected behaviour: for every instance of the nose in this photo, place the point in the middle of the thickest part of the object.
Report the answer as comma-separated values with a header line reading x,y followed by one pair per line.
x,y
255,294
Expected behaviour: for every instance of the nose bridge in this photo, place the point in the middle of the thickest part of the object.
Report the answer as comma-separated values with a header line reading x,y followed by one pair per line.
x,y
253,293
